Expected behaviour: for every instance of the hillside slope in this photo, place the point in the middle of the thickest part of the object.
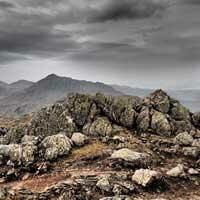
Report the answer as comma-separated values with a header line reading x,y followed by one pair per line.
x,y
48,91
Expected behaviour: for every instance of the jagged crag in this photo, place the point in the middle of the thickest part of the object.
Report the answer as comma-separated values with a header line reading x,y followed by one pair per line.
x,y
102,147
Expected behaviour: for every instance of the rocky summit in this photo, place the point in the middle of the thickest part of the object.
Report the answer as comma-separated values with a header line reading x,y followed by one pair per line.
x,y
88,147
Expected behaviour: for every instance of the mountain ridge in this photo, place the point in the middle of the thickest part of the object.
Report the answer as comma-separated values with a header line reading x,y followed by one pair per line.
x,y
47,91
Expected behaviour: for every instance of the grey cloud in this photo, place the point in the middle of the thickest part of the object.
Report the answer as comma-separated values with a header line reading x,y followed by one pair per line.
x,y
5,5
128,9
197,2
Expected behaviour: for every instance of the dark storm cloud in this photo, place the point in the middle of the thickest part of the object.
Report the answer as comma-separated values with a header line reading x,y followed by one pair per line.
x,y
130,9
29,26
5,4
197,2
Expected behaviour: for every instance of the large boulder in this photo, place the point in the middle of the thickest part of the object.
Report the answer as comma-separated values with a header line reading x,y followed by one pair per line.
x,y
181,126
145,177
50,121
159,100
178,111
191,152
18,154
79,139
100,127
121,110
143,119
79,106
104,185
177,171
160,124
54,146
130,156
183,139
196,119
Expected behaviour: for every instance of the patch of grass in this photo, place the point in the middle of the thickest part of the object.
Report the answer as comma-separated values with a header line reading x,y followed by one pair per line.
x,y
92,150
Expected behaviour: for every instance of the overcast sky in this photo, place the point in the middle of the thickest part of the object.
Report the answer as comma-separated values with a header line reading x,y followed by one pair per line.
x,y
141,43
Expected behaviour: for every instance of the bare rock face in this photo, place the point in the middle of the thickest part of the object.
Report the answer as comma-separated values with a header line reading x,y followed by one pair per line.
x,y
160,124
54,146
145,177
128,155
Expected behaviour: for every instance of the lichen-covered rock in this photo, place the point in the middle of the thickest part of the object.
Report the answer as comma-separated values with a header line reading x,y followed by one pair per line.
x,y
79,139
159,101
183,139
143,119
29,139
50,121
179,112
196,119
160,124
13,135
104,185
196,143
131,156
19,154
145,177
121,110
28,154
191,151
181,126
100,127
79,107
54,146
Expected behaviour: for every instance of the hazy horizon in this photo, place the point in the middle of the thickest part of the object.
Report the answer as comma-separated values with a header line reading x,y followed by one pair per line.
x,y
137,43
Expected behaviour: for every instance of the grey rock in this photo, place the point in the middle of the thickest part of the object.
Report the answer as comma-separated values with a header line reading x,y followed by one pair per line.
x,y
160,124
104,185
183,139
196,143
55,146
191,151
131,156
177,171
100,127
145,177
79,139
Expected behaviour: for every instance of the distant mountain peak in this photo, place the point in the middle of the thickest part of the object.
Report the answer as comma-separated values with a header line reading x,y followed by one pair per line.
x,y
52,76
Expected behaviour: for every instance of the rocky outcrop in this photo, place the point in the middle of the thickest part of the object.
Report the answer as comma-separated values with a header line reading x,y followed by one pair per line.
x,y
98,143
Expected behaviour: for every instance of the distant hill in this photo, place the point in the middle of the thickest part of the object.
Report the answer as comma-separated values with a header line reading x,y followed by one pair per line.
x,y
189,98
47,91
20,85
